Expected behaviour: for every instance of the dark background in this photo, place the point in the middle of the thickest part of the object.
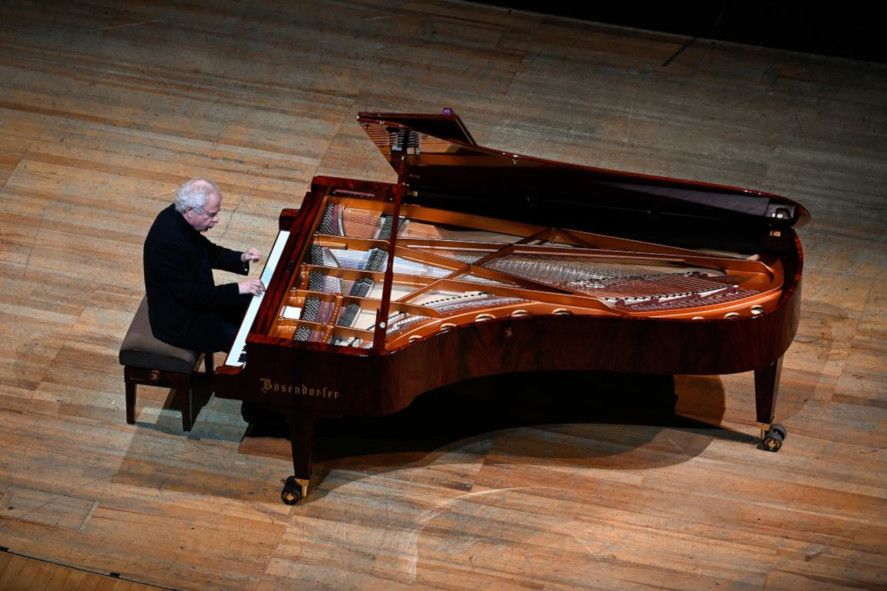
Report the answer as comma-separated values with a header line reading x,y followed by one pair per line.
x,y
848,29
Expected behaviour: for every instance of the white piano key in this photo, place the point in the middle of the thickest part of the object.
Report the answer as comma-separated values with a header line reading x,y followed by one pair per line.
x,y
267,273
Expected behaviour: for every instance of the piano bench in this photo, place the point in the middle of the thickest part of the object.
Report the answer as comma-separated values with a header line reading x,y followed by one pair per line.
x,y
148,360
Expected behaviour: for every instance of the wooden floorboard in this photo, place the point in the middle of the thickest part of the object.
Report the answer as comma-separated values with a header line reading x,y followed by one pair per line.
x,y
106,107
21,573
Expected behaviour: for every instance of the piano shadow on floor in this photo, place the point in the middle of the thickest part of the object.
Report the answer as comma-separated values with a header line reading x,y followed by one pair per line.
x,y
581,419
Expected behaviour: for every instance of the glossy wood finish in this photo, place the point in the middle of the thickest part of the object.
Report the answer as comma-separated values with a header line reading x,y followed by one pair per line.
x,y
105,109
311,380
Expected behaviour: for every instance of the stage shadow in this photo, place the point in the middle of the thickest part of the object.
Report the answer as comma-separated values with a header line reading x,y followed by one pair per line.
x,y
583,419
484,406
572,419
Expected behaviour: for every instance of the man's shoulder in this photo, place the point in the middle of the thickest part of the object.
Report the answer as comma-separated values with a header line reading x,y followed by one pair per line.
x,y
165,229
166,222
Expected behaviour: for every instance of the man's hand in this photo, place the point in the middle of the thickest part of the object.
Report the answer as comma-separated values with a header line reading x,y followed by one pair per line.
x,y
252,255
253,286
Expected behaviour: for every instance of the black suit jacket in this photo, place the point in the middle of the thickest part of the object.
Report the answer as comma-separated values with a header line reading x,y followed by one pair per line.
x,y
178,262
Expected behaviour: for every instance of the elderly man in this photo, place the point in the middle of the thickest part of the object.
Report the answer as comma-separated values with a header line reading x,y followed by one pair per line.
x,y
185,306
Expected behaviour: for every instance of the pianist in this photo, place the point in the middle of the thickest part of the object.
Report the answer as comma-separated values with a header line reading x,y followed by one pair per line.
x,y
185,307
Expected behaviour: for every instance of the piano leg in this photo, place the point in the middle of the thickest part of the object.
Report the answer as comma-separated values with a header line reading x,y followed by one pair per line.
x,y
302,441
766,388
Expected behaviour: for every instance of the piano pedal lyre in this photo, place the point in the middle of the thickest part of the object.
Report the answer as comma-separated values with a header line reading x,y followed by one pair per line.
x,y
294,489
772,436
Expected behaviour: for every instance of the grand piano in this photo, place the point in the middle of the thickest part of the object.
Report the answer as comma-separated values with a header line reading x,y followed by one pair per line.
x,y
479,262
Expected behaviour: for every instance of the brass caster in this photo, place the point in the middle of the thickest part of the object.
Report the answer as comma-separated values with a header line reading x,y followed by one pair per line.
x,y
773,438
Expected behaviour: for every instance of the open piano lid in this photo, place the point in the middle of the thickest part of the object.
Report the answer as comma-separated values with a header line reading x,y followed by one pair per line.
x,y
444,167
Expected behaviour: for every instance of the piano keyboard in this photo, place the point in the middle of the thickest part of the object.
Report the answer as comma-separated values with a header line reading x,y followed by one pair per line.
x,y
236,357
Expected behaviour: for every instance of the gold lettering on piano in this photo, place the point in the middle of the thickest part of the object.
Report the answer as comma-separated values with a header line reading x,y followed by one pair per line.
x,y
269,385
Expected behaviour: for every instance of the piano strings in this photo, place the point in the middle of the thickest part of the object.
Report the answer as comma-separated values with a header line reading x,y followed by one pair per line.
x,y
447,274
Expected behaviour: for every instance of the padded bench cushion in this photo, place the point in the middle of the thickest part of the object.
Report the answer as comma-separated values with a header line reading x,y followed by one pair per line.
x,y
140,348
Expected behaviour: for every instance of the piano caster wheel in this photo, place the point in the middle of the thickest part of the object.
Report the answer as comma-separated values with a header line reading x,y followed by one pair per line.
x,y
774,437
293,491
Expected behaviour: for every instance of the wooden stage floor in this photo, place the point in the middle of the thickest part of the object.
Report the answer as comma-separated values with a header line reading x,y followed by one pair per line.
x,y
600,483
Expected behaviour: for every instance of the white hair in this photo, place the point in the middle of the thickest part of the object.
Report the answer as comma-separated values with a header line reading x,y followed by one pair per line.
x,y
193,195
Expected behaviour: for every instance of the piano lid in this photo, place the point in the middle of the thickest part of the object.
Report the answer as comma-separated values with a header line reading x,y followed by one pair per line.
x,y
446,168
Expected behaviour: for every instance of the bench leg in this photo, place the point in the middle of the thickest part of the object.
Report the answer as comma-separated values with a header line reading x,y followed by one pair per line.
x,y
180,383
130,401
181,386
187,413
